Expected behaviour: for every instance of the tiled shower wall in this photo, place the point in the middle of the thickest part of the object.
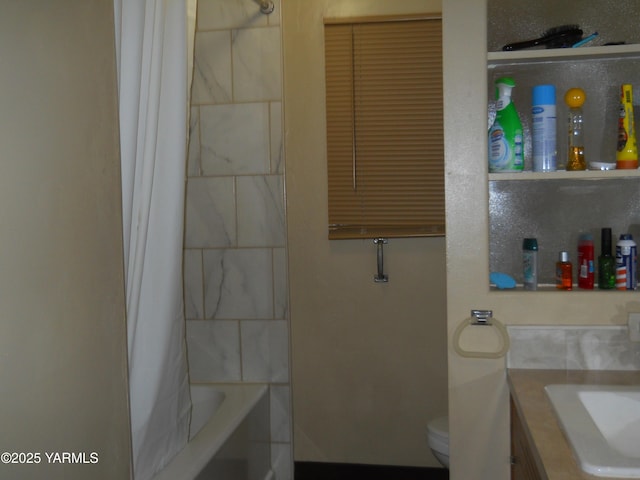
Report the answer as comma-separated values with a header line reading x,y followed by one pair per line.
x,y
235,272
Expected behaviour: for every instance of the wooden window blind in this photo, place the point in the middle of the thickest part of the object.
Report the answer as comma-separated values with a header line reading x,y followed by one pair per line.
x,y
385,148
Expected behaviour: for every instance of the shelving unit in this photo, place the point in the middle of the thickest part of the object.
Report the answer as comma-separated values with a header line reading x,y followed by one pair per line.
x,y
564,175
556,206
519,57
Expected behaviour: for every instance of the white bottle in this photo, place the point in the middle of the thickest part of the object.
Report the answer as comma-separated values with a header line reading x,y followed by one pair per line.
x,y
626,263
543,127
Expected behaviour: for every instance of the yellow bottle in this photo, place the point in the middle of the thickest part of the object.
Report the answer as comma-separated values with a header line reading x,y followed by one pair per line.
x,y
627,151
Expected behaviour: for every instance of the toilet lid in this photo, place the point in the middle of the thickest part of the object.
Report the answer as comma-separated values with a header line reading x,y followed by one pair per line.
x,y
439,427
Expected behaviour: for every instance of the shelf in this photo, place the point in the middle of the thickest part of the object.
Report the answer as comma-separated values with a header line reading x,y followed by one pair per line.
x,y
552,289
562,54
565,175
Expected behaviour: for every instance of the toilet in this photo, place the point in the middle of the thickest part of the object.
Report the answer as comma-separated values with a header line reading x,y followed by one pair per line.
x,y
438,439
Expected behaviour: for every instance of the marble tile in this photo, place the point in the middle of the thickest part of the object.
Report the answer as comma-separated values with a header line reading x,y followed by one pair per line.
x,y
210,212
260,203
604,348
275,17
257,64
212,68
539,347
213,349
264,351
217,14
573,347
193,154
238,284
282,461
235,139
277,143
193,287
280,408
280,284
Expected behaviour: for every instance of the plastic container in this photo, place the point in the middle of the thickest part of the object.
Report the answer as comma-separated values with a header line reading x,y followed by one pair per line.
x,y
627,149
505,135
530,263
543,127
564,272
586,256
575,98
606,262
626,263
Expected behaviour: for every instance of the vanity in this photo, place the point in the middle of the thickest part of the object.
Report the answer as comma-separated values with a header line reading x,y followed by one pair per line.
x,y
543,358
540,449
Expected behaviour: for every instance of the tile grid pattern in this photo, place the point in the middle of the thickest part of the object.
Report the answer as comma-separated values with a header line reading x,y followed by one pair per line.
x,y
235,271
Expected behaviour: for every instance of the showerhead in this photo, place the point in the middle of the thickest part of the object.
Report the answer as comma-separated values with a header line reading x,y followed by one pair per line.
x,y
266,6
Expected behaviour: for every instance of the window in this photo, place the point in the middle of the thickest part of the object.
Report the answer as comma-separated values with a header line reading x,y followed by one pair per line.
x,y
385,148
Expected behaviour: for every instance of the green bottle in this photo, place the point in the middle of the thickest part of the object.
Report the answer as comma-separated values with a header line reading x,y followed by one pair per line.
x,y
606,263
505,135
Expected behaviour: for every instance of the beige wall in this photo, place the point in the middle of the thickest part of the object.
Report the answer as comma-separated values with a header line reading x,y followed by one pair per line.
x,y
63,371
368,360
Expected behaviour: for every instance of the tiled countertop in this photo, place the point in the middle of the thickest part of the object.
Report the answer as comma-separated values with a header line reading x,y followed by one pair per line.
x,y
534,407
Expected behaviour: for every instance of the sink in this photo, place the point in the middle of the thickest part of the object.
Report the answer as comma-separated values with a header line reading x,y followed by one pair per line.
x,y
602,424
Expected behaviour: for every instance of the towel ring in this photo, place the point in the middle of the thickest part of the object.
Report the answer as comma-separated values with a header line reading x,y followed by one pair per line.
x,y
481,318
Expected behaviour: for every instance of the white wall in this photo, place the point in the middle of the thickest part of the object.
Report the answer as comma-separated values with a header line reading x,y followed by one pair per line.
x,y
63,370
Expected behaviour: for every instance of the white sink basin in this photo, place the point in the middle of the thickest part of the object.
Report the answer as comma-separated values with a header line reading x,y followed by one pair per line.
x,y
602,424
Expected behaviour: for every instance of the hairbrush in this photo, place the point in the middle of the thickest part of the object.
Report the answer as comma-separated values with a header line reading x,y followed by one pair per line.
x,y
563,36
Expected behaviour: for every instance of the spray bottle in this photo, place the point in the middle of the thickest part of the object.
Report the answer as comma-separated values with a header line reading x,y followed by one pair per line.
x,y
505,135
627,154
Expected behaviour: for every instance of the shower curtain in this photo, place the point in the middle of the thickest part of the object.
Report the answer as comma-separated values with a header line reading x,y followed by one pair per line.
x,y
154,45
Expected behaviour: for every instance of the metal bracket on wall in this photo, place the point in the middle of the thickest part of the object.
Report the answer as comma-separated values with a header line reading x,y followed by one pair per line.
x,y
482,317
380,277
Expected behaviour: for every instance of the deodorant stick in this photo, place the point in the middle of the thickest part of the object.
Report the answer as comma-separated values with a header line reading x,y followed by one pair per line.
x,y
543,127
530,263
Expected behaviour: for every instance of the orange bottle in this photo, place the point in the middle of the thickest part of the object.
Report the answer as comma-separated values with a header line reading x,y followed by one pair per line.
x,y
564,272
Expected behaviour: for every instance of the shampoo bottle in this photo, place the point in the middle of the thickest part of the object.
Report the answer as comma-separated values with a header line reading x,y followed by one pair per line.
x,y
505,135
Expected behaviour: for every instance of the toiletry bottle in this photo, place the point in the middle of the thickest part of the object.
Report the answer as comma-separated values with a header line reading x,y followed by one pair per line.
x,y
543,127
564,272
626,263
530,263
586,270
606,262
574,98
505,135
627,151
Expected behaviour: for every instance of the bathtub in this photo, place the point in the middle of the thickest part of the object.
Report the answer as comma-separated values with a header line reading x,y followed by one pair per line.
x,y
229,435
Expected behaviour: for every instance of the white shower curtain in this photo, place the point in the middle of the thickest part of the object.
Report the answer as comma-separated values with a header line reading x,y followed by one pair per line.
x,y
154,41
